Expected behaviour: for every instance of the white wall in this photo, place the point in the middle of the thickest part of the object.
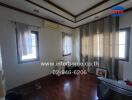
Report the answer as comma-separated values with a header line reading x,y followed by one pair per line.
x,y
125,68
50,48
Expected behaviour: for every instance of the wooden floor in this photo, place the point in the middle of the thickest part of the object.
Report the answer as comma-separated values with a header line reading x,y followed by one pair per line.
x,y
66,88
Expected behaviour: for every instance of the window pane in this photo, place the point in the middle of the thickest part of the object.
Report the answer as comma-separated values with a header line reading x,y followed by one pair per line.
x,y
33,40
33,53
122,51
122,37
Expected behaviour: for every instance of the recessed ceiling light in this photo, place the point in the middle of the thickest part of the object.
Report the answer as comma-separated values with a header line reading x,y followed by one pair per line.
x,y
62,21
96,17
36,11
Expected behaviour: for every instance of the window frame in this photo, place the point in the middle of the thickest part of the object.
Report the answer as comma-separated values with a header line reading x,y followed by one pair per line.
x,y
128,30
37,50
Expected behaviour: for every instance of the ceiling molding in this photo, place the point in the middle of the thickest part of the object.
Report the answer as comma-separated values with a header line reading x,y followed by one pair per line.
x,y
94,6
102,10
127,10
90,22
29,13
29,1
76,21
26,12
60,8
53,4
98,4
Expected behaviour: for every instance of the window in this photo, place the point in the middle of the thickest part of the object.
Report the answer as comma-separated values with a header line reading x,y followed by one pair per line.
x,y
33,54
67,44
124,42
28,47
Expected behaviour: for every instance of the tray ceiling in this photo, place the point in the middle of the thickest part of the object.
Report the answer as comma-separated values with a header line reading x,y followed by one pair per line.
x,y
75,6
71,13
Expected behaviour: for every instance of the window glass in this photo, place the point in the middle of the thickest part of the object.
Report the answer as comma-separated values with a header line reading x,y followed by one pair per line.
x,y
33,53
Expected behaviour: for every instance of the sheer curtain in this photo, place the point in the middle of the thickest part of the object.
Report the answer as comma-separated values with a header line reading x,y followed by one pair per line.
x,y
24,39
66,43
98,44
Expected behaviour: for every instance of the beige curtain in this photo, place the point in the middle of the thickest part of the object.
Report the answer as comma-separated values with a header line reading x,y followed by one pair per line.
x,y
99,41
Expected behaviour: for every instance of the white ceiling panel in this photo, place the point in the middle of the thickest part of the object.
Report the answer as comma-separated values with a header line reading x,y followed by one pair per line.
x,y
76,6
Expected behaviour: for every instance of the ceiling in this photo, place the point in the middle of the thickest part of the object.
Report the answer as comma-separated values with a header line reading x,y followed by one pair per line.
x,y
75,6
71,13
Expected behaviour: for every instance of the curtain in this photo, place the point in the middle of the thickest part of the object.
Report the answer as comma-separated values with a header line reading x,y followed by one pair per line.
x,y
99,47
24,39
67,43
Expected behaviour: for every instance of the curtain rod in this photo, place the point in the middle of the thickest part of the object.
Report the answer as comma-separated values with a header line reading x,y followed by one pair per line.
x,y
24,23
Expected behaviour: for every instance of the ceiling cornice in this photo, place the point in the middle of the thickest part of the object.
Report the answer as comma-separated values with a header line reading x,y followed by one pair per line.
x,y
102,10
98,4
29,13
76,21
53,4
26,12
29,1
57,6
127,10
